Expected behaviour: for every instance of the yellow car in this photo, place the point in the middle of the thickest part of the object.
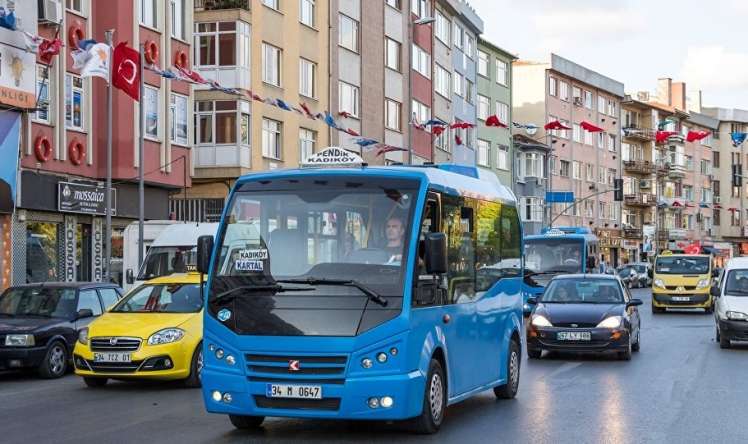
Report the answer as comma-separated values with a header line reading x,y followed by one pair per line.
x,y
154,332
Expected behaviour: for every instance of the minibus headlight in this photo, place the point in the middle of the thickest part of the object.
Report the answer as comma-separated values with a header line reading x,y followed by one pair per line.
x,y
382,357
366,363
703,283
658,283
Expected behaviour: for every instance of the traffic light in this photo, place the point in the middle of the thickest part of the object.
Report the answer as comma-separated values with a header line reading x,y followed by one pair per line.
x,y
618,190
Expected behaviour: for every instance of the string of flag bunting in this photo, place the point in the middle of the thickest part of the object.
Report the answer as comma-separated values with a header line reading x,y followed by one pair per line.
x,y
46,48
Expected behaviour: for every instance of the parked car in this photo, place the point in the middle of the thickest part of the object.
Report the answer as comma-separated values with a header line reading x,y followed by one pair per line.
x,y
629,276
731,303
39,323
584,313
154,332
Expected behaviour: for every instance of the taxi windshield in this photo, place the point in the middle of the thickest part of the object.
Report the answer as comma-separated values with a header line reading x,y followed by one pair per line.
x,y
322,227
162,298
682,265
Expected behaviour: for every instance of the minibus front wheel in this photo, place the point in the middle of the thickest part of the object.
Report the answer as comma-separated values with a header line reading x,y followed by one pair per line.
x,y
434,401
243,422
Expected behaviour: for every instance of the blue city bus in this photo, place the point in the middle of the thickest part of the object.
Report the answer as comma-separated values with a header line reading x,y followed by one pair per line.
x,y
371,293
558,250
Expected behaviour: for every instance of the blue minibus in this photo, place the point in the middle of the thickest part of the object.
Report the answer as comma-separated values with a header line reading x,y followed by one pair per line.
x,y
371,293
558,250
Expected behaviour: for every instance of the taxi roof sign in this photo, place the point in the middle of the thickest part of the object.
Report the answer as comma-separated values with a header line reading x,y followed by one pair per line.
x,y
333,157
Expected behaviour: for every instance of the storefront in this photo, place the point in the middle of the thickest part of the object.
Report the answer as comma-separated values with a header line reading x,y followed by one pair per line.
x,y
10,129
63,222
610,245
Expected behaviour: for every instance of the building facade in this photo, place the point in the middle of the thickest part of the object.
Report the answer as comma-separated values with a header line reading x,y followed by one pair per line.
x,y
581,161
56,236
445,12
530,191
493,149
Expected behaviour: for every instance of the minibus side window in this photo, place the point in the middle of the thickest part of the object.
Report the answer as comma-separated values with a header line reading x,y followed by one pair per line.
x,y
426,288
458,224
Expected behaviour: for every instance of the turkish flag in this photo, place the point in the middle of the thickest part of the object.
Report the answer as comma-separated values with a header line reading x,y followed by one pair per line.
x,y
49,49
663,136
694,136
126,70
590,127
494,121
555,125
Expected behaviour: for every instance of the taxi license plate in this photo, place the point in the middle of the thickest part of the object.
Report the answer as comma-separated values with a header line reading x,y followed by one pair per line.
x,y
293,391
573,336
681,298
112,357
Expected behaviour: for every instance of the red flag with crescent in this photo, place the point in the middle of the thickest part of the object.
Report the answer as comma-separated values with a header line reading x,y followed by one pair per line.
x,y
126,70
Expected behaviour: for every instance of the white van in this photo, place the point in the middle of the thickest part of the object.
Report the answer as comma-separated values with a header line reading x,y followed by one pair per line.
x,y
171,251
731,306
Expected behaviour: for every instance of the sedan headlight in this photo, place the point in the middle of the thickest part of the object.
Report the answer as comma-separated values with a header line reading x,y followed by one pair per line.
x,y
541,321
166,336
658,283
703,283
83,336
19,340
611,322
737,316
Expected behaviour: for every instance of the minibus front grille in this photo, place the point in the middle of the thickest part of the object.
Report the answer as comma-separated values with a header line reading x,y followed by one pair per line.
x,y
282,380
295,367
329,404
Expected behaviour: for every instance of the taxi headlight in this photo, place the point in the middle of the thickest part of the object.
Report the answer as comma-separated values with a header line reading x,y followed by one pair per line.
x,y
610,322
19,340
703,283
658,283
541,321
83,336
166,336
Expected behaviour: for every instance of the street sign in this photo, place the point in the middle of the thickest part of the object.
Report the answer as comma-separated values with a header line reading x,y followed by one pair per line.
x,y
559,196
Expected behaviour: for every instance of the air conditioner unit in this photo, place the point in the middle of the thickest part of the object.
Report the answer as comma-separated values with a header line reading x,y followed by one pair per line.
x,y
578,101
645,184
49,11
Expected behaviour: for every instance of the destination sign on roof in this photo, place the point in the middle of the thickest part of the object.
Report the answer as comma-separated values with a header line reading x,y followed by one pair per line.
x,y
333,156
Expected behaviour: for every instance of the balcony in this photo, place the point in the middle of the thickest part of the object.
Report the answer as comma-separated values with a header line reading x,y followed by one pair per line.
x,y
632,233
640,200
675,171
640,134
644,167
217,5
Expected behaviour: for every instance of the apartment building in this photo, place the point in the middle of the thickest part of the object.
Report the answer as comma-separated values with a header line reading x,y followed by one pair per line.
x,y
445,12
494,146
581,161
55,237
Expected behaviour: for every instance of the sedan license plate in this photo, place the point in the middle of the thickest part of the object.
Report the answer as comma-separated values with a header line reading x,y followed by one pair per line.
x,y
112,357
573,336
293,391
681,298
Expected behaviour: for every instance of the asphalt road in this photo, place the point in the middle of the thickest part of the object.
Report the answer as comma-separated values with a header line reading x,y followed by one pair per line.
x,y
679,388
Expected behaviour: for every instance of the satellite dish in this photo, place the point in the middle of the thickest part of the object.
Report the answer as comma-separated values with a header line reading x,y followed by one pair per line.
x,y
531,130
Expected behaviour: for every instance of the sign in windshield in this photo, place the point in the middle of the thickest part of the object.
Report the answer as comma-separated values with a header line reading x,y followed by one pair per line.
x,y
682,265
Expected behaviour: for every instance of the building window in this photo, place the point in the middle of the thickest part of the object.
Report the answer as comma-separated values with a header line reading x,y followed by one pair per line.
x,y
421,112
531,165
220,118
532,209
74,102
307,142
502,158
469,87
483,152
349,98
42,92
419,7
150,97
716,214
392,54
421,61
307,78
177,18
484,107
576,170
273,4
715,159
564,91
502,112
612,107
601,174
735,219
469,45
217,44
502,69
483,59
442,142
392,115
564,172
553,86
442,81
306,12
587,95
458,83
459,35
148,12
225,129
271,138
244,128
394,3
74,5
348,37
611,142
589,138
443,26
576,93
590,172
178,119
576,133
601,104
271,64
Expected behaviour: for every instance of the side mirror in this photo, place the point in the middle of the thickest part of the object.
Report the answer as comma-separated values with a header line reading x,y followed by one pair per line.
x,y
714,291
435,253
532,300
634,303
129,277
84,313
204,250
715,273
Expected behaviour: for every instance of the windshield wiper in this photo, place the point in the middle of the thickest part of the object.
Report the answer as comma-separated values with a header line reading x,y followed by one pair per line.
x,y
255,288
371,294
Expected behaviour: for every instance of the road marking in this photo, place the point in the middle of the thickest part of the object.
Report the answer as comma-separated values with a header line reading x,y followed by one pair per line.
x,y
564,368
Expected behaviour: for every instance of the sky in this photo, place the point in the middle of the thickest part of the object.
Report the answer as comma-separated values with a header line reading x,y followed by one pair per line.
x,y
633,41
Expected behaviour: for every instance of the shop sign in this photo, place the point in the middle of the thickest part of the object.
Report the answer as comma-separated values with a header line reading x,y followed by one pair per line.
x,y
70,248
17,76
97,259
609,238
80,198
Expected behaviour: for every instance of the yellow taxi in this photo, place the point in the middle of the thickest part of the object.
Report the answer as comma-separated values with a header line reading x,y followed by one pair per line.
x,y
154,332
682,281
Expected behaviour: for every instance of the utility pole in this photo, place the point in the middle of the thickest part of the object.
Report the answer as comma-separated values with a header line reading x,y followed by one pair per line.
x,y
141,161
109,35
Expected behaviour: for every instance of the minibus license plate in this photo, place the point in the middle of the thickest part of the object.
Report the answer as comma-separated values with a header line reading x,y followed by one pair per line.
x,y
573,336
293,391
112,357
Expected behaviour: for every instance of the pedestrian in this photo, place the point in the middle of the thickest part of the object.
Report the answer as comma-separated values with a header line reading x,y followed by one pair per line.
x,y
603,265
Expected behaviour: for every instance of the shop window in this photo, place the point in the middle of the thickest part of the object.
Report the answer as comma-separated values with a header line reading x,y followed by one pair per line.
x,y
41,252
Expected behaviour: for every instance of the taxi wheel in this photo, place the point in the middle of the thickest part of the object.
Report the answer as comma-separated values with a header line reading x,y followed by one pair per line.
x,y
509,390
196,368
434,401
55,362
724,342
656,310
246,422
95,382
